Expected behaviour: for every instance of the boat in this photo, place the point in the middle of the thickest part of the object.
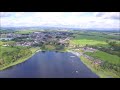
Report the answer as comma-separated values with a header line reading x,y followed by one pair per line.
x,y
72,56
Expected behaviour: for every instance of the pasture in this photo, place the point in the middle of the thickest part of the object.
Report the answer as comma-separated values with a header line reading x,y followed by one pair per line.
x,y
105,57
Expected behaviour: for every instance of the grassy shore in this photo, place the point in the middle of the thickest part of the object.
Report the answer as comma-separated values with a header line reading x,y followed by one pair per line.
x,y
114,59
98,70
102,73
20,60
34,50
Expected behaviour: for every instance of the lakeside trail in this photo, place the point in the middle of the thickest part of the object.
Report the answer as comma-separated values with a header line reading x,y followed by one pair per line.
x,y
75,53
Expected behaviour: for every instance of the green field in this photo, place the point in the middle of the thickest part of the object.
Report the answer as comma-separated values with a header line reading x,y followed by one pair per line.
x,y
6,49
105,57
90,40
94,38
89,37
10,56
49,47
1,43
25,31
102,73
6,42
83,42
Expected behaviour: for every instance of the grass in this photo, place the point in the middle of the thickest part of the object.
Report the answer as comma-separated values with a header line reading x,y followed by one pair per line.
x,y
90,40
19,60
34,49
114,59
6,49
1,43
49,47
7,42
83,42
98,70
94,37
25,31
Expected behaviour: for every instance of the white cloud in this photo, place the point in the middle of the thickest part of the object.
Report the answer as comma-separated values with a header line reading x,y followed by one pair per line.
x,y
5,14
73,19
108,15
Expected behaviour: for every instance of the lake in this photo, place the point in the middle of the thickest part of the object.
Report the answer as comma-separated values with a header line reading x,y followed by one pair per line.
x,y
50,64
6,38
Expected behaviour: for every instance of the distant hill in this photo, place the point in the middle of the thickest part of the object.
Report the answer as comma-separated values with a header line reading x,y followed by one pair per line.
x,y
58,28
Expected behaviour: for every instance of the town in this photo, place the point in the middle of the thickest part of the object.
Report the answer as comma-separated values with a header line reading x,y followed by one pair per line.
x,y
37,38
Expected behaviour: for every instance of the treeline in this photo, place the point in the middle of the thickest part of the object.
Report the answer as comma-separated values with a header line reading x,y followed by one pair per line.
x,y
114,44
6,31
19,39
110,66
56,44
14,55
113,48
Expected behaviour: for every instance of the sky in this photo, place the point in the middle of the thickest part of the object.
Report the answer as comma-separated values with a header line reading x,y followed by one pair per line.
x,y
61,19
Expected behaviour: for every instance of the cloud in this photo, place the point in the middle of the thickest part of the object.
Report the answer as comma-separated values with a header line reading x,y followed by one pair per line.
x,y
108,15
5,14
98,14
68,19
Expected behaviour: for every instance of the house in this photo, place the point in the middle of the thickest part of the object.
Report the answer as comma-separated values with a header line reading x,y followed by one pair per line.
x,y
87,49
5,45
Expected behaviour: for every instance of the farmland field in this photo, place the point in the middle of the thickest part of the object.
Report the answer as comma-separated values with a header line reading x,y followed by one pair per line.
x,y
90,40
25,31
105,56
83,42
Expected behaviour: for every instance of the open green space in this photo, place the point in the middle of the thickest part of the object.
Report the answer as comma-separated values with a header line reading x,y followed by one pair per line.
x,y
25,31
10,56
102,73
105,57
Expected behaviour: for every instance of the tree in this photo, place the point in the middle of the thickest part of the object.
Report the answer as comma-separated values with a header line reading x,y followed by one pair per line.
x,y
11,44
112,43
86,45
107,41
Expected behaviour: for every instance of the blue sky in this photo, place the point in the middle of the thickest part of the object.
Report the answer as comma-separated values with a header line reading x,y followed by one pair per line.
x,y
66,19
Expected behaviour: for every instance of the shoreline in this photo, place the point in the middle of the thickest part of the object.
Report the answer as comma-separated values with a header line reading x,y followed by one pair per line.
x,y
26,58
83,61
101,74
19,61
